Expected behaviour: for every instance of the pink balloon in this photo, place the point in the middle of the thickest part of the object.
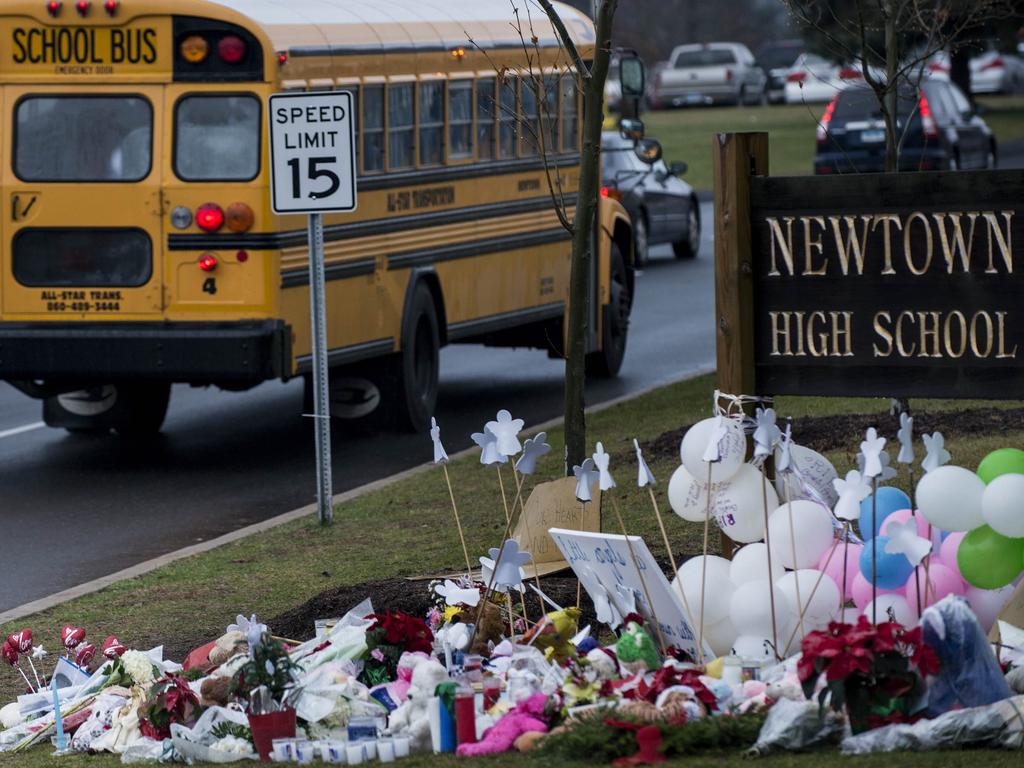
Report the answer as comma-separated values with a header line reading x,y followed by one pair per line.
x,y
947,552
901,516
861,591
944,581
851,553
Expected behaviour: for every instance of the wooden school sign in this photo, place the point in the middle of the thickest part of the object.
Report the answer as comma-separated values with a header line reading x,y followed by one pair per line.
x,y
894,285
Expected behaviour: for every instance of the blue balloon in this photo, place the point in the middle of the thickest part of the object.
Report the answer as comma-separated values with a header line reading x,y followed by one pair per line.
x,y
892,571
889,500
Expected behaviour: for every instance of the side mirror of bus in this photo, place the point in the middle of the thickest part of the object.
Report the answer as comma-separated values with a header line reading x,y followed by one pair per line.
x,y
631,75
648,150
631,128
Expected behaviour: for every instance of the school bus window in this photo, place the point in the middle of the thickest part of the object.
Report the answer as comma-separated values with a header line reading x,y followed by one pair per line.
x,y
549,116
373,128
217,138
485,119
354,90
570,115
83,138
401,125
529,133
507,118
460,120
431,106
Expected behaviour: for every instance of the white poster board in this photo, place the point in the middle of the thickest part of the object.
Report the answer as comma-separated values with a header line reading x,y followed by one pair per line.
x,y
603,564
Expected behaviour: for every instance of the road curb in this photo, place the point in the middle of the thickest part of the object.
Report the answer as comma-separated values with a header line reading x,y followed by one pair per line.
x,y
140,569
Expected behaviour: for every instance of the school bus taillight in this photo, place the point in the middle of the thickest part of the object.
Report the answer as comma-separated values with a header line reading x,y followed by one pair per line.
x,y
83,7
194,49
239,217
111,7
231,49
208,262
209,217
54,8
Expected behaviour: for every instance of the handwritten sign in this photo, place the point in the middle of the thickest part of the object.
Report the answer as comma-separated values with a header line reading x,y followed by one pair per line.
x,y
554,505
605,567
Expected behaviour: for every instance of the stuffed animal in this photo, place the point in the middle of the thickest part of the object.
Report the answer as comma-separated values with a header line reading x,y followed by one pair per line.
x,y
491,630
412,718
604,663
526,717
554,636
636,650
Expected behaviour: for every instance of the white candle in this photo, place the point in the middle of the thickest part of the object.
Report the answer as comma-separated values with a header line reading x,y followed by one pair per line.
x,y
386,750
354,753
401,746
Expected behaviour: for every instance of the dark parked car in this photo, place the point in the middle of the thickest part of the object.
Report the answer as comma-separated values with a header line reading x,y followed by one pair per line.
x,y
942,131
664,208
775,59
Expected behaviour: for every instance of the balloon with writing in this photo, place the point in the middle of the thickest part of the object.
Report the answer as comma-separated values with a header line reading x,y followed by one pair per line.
x,y
585,474
21,640
113,648
84,654
71,637
506,431
440,455
488,442
533,449
605,480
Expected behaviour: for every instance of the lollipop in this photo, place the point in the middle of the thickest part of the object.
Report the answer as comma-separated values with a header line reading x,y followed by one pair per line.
x,y
113,648
85,654
71,637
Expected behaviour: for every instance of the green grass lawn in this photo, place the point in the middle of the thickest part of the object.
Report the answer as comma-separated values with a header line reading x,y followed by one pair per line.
x,y
687,134
406,529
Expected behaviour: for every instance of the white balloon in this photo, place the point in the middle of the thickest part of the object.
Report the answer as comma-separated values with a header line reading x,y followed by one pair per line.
x,y
820,598
717,595
987,603
899,606
815,469
751,607
1002,505
811,530
720,636
732,450
753,648
739,505
950,497
687,497
750,563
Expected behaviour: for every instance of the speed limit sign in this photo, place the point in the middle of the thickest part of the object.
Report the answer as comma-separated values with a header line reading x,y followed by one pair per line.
x,y
312,152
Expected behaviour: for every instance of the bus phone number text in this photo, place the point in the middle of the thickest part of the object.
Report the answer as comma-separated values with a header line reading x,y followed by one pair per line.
x,y
82,301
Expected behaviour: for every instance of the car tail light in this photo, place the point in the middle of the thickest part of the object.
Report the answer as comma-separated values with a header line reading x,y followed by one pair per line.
x,y
824,169
194,49
208,262
54,8
239,217
996,63
209,217
231,49
796,77
282,58
931,130
612,192
850,73
728,75
83,6
825,120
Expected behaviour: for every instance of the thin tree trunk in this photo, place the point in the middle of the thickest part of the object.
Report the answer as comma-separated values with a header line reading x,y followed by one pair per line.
x,y
579,283
892,93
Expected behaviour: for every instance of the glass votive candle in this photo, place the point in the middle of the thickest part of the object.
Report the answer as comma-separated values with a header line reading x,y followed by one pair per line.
x,y
370,748
283,750
492,692
355,753
402,744
334,752
386,750
305,751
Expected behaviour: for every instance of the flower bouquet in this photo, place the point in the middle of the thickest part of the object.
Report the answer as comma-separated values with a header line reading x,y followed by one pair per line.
x,y
393,634
875,672
267,683
170,700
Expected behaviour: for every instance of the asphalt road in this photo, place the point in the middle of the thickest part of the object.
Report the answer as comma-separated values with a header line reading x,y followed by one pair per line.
x,y
75,508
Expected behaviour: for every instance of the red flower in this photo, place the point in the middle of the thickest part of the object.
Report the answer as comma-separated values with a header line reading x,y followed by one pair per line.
x,y
407,632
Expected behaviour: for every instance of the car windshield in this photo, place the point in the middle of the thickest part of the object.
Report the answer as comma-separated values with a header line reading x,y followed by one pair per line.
x,y
779,56
704,57
619,157
862,104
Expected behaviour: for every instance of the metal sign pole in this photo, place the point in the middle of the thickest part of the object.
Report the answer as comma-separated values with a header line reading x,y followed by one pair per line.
x,y
322,413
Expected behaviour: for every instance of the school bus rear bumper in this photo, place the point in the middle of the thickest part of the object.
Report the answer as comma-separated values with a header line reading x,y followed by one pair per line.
x,y
229,352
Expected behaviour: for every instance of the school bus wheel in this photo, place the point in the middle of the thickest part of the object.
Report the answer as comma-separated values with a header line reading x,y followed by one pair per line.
x,y
142,408
412,383
606,362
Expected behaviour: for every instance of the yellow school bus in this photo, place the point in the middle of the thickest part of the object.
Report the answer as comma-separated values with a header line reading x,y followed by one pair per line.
x,y
138,247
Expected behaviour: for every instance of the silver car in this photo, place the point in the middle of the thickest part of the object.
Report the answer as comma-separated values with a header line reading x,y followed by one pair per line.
x,y
709,73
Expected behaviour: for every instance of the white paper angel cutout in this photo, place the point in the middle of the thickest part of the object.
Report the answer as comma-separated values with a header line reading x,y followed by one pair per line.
x,y
601,459
871,447
644,476
533,449
455,636
508,571
506,430
626,599
487,568
605,606
936,454
453,594
888,471
766,434
903,540
784,461
585,474
906,437
488,442
852,491
712,452
440,455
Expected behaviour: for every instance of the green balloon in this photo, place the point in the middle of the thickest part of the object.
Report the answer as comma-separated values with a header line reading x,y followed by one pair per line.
x,y
988,560
1004,461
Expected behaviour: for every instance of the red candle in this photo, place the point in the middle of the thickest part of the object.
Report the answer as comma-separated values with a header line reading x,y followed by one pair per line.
x,y
465,716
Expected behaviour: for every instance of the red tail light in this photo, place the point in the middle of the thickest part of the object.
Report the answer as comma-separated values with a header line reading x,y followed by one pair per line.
x,y
612,192
83,6
208,262
728,75
849,73
796,77
825,120
209,217
111,6
931,130
604,191
282,58
996,63
54,8
231,49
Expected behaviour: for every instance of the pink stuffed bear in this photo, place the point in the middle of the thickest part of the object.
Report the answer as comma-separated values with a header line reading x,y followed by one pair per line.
x,y
525,717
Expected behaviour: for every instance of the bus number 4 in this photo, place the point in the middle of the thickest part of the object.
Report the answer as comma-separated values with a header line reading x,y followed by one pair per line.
x,y
313,173
210,285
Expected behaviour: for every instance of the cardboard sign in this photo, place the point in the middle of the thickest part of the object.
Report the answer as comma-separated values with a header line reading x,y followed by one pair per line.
x,y
554,505
1011,618
605,567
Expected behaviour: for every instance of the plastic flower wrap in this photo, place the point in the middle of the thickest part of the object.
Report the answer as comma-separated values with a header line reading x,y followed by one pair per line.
x,y
170,700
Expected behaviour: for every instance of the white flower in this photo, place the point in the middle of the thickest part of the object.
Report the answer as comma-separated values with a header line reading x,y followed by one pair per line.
x,y
139,666
232,745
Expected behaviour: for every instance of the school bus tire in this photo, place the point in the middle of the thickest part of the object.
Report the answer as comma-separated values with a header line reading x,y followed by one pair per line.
x,y
606,362
415,369
142,408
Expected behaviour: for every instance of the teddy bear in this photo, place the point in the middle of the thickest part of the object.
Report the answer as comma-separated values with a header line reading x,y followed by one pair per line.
x,y
412,717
